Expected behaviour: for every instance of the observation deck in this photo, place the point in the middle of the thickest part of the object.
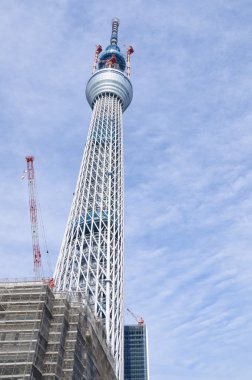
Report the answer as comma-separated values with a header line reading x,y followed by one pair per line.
x,y
111,81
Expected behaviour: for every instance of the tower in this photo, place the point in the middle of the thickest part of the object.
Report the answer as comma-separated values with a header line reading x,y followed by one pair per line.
x,y
91,255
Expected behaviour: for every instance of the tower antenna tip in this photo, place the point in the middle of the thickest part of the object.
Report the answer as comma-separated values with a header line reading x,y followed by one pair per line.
x,y
114,35
115,19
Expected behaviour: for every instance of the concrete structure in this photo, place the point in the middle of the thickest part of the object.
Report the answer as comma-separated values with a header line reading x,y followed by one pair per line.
x,y
91,255
136,359
46,335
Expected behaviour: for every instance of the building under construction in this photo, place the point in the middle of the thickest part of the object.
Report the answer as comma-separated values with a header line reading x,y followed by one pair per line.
x,y
50,335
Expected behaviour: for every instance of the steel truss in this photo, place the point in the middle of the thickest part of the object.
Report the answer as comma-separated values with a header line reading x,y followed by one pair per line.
x,y
91,256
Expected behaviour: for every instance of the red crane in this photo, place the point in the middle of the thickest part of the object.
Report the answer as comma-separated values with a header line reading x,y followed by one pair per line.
x,y
33,216
97,52
130,51
139,320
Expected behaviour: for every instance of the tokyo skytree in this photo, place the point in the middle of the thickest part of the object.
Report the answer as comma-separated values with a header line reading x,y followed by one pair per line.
x,y
91,258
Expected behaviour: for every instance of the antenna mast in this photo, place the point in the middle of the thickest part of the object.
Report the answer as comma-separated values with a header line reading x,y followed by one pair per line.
x,y
33,216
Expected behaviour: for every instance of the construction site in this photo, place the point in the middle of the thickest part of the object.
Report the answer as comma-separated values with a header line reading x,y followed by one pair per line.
x,y
50,335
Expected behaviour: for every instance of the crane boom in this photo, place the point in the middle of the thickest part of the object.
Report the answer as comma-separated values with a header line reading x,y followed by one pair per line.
x,y
139,320
33,216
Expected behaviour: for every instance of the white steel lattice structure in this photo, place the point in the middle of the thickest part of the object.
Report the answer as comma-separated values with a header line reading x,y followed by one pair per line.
x,y
91,256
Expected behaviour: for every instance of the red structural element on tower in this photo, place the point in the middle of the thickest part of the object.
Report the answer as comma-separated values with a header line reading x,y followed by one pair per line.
x,y
33,215
130,51
97,52
139,320
110,61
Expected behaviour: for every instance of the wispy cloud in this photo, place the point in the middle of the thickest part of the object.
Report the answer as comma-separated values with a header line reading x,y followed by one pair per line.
x,y
188,162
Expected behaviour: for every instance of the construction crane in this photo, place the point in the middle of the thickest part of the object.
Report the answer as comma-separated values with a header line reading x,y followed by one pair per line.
x,y
130,51
139,319
34,221
33,216
97,52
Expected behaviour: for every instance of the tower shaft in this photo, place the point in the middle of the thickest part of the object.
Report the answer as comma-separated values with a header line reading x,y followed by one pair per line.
x,y
91,259
91,255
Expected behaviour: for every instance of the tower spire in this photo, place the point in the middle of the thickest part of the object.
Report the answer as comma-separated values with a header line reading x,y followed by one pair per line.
x,y
114,34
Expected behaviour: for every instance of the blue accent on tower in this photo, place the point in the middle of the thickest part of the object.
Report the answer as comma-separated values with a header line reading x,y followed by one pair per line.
x,y
107,54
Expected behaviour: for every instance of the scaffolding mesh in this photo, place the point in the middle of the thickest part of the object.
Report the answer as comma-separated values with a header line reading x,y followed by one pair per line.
x,y
46,335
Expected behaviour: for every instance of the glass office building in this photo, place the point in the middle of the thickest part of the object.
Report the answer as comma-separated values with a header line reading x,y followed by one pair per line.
x,y
136,366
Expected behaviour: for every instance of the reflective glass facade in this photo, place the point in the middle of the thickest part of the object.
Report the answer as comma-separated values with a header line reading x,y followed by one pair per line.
x,y
135,353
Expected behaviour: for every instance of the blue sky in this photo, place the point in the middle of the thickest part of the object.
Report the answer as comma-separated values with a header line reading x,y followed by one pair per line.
x,y
188,178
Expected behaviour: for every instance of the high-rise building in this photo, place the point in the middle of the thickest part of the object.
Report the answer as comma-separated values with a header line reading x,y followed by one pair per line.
x,y
91,255
136,365
49,335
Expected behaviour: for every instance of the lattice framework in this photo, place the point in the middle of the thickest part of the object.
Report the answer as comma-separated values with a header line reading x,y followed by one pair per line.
x,y
91,257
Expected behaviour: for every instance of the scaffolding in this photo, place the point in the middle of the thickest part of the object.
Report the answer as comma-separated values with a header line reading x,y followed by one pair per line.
x,y
50,335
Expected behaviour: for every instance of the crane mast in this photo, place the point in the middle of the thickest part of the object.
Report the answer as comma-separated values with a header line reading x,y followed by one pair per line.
x,y
33,216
